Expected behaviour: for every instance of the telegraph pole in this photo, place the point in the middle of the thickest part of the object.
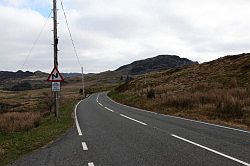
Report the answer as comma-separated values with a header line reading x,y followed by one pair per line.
x,y
83,92
56,105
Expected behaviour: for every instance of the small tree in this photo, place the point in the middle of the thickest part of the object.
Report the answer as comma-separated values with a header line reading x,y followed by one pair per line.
x,y
21,86
81,91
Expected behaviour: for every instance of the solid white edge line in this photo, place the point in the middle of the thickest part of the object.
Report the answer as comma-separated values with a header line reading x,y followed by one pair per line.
x,y
210,124
91,164
211,150
171,116
133,119
84,146
76,121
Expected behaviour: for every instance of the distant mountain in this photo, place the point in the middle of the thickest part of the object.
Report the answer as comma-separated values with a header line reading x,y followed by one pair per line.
x,y
21,80
14,75
160,62
68,75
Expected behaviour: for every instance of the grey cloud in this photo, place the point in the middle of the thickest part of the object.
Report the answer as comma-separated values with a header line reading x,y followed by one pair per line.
x,y
110,33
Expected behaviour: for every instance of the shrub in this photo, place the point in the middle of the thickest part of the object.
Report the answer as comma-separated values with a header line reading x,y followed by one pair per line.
x,y
230,107
81,91
21,87
151,94
19,121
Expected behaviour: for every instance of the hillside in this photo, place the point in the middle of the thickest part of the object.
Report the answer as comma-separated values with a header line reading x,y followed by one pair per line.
x,y
160,62
215,91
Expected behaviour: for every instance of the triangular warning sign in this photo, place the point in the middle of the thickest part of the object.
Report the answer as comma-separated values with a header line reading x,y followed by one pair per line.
x,y
55,76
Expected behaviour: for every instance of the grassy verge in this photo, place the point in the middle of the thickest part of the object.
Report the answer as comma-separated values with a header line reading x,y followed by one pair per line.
x,y
233,112
12,145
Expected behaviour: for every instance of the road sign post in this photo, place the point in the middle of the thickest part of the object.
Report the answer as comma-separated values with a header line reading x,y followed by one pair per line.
x,y
55,77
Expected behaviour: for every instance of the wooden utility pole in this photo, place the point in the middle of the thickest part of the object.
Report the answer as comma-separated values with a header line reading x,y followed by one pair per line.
x,y
56,104
83,92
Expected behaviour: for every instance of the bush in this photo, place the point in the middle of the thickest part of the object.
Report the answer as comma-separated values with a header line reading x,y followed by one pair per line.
x,y
19,121
21,87
151,94
230,107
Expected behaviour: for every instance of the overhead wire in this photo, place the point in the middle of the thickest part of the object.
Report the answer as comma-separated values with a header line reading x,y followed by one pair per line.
x,y
36,40
70,34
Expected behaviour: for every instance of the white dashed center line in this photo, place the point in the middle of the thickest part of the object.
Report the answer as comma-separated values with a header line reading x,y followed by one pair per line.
x,y
91,164
133,119
109,109
84,146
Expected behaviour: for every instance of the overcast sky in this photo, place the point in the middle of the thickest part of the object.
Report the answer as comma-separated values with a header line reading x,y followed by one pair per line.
x,y
111,33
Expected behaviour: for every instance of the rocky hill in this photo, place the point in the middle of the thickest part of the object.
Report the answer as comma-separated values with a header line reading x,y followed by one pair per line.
x,y
160,62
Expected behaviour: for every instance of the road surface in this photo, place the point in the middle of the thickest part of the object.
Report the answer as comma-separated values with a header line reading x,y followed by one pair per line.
x,y
111,134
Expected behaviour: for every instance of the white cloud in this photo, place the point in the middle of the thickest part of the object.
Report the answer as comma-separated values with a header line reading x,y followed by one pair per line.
x,y
110,33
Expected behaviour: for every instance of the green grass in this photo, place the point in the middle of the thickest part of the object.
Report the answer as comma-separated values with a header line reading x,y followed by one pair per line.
x,y
127,98
122,96
12,145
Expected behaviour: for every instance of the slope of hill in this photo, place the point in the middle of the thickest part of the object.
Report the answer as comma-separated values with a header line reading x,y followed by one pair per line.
x,y
217,91
160,62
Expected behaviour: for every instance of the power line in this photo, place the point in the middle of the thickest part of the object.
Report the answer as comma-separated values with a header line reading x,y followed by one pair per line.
x,y
72,41
35,42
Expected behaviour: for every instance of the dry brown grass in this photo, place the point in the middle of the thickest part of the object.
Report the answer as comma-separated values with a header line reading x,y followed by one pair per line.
x,y
222,106
19,121
222,103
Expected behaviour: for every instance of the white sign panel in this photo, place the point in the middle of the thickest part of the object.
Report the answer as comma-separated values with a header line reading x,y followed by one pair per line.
x,y
56,86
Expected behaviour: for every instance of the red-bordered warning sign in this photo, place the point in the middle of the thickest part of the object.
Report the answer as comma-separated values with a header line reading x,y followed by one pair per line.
x,y
55,76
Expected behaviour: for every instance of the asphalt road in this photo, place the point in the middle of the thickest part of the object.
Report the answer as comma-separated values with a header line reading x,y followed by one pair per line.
x,y
111,134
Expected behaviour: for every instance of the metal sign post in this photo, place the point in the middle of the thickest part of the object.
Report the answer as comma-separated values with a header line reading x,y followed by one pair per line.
x,y
55,77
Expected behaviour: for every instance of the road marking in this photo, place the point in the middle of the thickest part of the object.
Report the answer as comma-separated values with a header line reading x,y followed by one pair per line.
x,y
211,150
84,146
76,121
91,164
97,99
210,124
100,104
133,119
109,109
